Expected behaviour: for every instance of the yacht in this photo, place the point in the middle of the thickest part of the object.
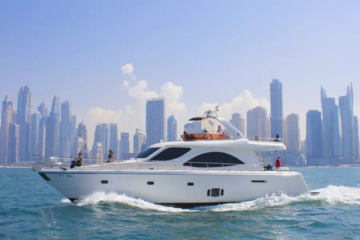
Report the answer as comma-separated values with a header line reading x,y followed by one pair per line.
x,y
212,167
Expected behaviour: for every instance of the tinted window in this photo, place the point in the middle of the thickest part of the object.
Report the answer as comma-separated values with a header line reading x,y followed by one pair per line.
x,y
147,152
170,154
213,159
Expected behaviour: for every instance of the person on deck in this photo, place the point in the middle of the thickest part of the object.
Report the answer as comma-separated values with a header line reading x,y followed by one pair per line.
x,y
278,164
277,138
220,131
111,156
77,161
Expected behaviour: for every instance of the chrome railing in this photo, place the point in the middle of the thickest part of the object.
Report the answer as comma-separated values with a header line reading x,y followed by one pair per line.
x,y
135,165
263,139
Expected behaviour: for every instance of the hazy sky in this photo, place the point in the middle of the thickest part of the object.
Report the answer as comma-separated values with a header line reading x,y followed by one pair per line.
x,y
195,53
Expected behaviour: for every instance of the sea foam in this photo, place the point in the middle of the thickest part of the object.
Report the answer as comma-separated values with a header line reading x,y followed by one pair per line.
x,y
330,195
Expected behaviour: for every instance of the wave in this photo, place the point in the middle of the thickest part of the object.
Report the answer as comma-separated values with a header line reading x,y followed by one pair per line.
x,y
113,197
330,195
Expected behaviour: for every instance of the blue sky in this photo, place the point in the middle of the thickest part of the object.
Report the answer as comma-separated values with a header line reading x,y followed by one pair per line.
x,y
210,51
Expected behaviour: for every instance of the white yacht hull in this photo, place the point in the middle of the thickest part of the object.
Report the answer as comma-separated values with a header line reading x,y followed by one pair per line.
x,y
175,187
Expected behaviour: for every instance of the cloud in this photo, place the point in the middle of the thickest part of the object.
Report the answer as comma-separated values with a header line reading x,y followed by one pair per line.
x,y
126,83
127,69
240,104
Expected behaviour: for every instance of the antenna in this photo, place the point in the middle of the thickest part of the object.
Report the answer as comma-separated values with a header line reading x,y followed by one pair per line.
x,y
272,75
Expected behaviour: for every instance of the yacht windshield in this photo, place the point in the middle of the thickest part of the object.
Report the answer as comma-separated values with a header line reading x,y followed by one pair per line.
x,y
147,152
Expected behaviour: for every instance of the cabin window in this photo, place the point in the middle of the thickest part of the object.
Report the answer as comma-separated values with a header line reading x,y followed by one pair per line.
x,y
104,181
190,184
147,152
150,183
213,159
170,154
215,192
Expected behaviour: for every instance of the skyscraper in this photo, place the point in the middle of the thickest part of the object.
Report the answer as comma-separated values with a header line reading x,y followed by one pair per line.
x,y
13,153
276,101
139,140
43,110
114,140
314,137
105,138
14,116
171,129
6,120
78,146
347,125
238,122
124,144
65,130
52,147
82,133
155,121
23,120
34,134
331,133
73,129
356,139
257,123
293,133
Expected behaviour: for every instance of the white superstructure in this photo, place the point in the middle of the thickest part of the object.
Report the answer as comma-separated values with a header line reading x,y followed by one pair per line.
x,y
203,169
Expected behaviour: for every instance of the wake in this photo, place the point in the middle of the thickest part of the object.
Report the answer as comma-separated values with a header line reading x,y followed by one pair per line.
x,y
331,195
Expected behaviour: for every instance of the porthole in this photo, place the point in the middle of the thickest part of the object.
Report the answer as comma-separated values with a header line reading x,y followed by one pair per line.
x,y
150,183
104,181
215,192
208,193
258,181
222,192
190,184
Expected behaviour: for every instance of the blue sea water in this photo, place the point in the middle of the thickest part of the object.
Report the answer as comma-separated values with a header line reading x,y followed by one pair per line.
x,y
32,209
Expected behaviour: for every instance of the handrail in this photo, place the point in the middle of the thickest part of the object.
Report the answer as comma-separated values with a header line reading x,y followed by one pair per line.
x,y
263,139
160,165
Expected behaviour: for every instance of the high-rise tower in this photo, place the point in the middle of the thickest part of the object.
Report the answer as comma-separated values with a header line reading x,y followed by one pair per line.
x,y
6,120
65,130
155,121
347,125
293,133
23,120
52,148
331,133
238,122
34,134
171,129
314,137
257,123
276,101
139,140
356,139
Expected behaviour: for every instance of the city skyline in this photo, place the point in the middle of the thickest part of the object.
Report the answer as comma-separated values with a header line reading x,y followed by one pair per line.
x,y
338,125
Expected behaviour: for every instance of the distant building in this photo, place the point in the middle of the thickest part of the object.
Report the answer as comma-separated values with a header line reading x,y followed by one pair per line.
x,y
171,129
65,130
43,110
257,123
23,120
105,139
139,140
6,120
73,130
97,152
347,125
293,133
276,101
356,139
238,122
155,121
78,146
331,133
34,133
52,148
124,144
13,153
14,116
314,137
114,140
82,133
